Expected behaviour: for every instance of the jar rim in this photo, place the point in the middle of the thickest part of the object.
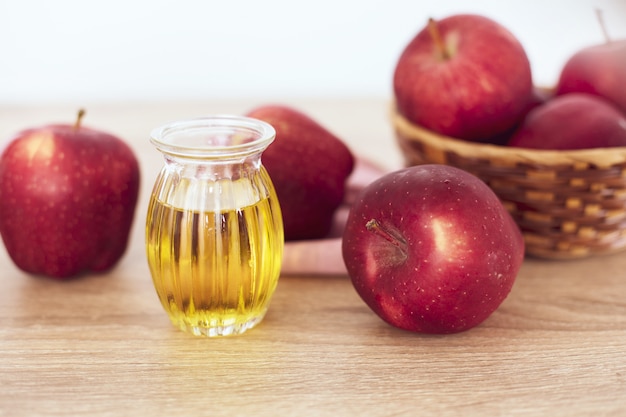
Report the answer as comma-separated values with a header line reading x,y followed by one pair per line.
x,y
214,136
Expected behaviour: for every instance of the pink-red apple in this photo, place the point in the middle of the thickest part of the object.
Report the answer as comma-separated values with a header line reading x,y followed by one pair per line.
x,y
599,70
572,121
431,249
67,199
538,97
309,167
465,76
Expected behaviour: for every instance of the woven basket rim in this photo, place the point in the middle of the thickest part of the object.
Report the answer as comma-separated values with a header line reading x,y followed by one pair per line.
x,y
599,157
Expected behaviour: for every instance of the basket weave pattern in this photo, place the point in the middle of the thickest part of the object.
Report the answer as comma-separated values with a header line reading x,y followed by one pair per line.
x,y
568,204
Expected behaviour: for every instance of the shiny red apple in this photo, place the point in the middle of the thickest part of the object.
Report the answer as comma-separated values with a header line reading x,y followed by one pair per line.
x,y
538,97
572,121
431,249
465,76
67,199
599,70
309,167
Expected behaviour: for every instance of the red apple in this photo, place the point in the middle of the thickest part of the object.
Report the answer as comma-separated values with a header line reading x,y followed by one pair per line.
x,y
431,249
465,76
598,70
67,199
538,97
572,121
309,167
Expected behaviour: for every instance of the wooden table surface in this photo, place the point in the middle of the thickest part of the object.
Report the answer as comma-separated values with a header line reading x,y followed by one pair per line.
x,y
102,345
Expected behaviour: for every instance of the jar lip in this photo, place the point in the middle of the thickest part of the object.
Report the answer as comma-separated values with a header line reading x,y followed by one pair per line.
x,y
214,136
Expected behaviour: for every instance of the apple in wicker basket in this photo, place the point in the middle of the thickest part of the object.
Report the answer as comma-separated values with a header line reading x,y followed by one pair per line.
x,y
599,70
572,121
465,76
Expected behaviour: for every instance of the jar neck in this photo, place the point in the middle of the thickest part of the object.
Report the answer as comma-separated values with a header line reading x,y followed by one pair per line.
x,y
253,159
213,169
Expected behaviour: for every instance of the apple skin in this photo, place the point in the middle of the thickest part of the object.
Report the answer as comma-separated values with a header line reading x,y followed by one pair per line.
x,y
539,96
476,93
431,249
572,121
599,70
309,167
67,199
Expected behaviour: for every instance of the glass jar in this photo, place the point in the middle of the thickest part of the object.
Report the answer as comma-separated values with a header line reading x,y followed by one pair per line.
x,y
214,231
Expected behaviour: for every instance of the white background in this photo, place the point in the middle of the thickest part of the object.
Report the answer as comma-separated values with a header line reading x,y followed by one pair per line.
x,y
72,50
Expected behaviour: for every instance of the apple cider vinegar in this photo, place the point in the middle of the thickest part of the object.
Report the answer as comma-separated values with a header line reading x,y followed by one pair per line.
x,y
214,242
214,269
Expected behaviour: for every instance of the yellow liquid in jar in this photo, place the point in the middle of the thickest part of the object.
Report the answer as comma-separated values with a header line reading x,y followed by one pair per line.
x,y
215,271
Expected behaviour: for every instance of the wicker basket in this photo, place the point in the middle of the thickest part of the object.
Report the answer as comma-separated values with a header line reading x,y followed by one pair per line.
x,y
568,204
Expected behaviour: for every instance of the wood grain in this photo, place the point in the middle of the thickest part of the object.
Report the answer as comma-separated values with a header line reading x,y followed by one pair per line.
x,y
101,344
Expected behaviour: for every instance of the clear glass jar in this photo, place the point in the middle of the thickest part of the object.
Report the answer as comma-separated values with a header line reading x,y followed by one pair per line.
x,y
214,231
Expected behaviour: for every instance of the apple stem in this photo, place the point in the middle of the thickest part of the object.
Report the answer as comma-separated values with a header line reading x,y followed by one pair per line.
x,y
79,118
600,17
375,227
433,28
